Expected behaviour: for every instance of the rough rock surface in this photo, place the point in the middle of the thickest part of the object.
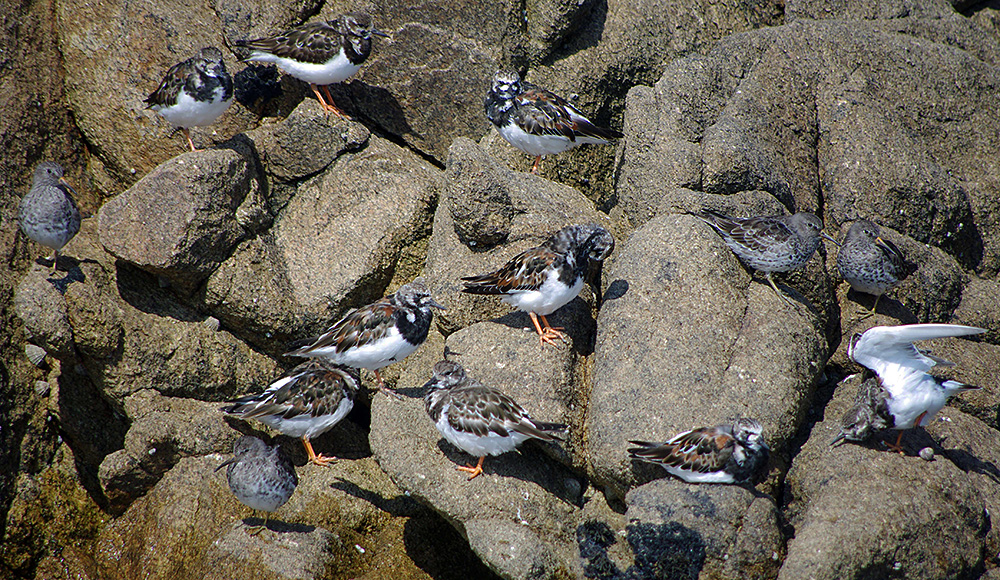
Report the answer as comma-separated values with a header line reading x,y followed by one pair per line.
x,y
179,221
855,508
815,129
716,531
679,346
347,231
487,216
127,139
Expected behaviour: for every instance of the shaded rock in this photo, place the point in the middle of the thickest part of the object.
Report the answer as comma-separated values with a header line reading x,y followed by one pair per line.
x,y
163,430
130,335
679,346
42,309
736,534
336,244
50,510
430,55
930,294
179,221
979,308
977,364
306,142
127,139
860,511
715,123
521,210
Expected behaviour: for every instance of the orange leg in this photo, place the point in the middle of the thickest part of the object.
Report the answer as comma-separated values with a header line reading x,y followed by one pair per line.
x,y
546,334
190,142
381,386
897,447
473,471
328,106
320,460
534,168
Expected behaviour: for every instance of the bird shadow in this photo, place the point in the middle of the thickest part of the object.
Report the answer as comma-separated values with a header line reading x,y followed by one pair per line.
x,y
576,319
375,103
398,506
968,462
528,464
73,274
660,550
277,526
887,306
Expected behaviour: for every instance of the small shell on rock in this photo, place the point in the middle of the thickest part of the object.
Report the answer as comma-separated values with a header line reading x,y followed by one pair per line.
x,y
927,454
35,354
211,322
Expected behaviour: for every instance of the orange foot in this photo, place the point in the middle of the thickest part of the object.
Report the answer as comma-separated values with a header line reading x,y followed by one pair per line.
x,y
321,460
547,334
896,446
327,103
534,168
473,471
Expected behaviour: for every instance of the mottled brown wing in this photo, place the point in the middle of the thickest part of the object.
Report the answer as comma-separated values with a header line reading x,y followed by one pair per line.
x,y
316,42
540,112
359,326
314,388
700,450
171,85
481,410
525,271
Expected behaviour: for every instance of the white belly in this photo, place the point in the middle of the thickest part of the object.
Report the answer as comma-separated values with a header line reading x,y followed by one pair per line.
x,y
552,296
695,477
372,356
188,112
307,425
336,70
476,446
906,407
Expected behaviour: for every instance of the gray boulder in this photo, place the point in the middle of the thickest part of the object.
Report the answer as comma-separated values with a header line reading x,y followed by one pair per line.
x,y
741,118
488,215
714,531
346,234
179,222
860,510
686,340
162,431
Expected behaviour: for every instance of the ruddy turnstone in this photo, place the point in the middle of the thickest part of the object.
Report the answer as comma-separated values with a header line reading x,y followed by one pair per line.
x,y
305,402
537,121
542,280
478,419
723,454
319,53
870,263
869,415
770,244
47,213
260,476
194,93
914,395
379,334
